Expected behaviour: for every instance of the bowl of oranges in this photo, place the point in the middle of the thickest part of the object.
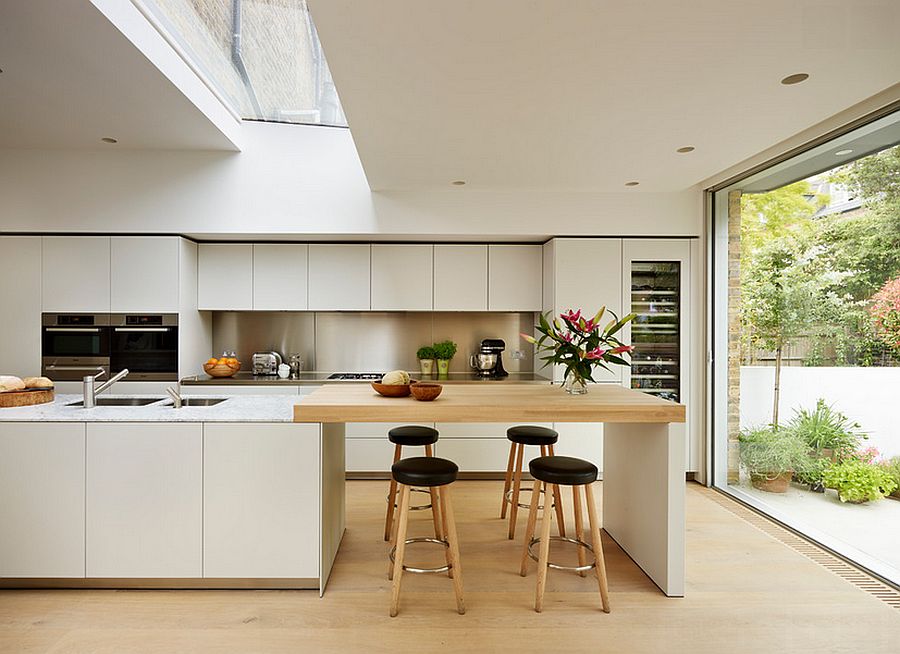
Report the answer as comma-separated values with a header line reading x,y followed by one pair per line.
x,y
223,366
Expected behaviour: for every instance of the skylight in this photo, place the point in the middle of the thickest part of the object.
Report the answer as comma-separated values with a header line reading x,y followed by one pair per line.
x,y
263,56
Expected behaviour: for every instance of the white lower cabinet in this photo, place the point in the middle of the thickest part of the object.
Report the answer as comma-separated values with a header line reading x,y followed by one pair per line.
x,y
479,446
261,500
368,448
144,500
581,439
41,499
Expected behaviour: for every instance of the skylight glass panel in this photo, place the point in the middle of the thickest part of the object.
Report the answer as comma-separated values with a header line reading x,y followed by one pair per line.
x,y
263,56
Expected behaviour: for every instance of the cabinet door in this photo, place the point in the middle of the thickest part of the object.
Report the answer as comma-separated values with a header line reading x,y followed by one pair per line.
x,y
41,499
476,455
225,276
339,277
261,500
144,500
460,277
144,273
402,277
20,297
75,274
583,440
280,276
514,277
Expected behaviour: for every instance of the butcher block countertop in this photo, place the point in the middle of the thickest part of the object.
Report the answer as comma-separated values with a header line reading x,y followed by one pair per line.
x,y
480,403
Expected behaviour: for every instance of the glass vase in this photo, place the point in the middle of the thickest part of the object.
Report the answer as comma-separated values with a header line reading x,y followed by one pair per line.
x,y
575,383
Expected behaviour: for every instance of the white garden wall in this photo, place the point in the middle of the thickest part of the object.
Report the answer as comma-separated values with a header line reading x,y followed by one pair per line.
x,y
869,396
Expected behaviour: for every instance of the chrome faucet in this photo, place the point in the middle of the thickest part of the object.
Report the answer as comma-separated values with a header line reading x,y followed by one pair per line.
x,y
91,391
175,394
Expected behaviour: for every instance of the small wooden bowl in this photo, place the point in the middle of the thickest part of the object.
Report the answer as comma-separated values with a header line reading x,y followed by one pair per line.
x,y
221,369
426,391
391,390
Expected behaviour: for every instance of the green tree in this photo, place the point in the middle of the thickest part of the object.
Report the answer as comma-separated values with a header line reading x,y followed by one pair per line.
x,y
780,213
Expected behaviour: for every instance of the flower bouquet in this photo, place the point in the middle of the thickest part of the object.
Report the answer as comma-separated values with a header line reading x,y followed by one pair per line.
x,y
581,345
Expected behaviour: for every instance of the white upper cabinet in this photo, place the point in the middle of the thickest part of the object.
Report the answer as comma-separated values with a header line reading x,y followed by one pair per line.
x,y
75,274
144,274
339,277
460,277
280,276
402,277
225,276
514,277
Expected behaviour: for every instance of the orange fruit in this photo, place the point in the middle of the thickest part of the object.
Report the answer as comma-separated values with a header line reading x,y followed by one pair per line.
x,y
222,361
212,361
232,361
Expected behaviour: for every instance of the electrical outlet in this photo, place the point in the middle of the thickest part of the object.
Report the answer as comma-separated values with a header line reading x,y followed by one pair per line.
x,y
518,354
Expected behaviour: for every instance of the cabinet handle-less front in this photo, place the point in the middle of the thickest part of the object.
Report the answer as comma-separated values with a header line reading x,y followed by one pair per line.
x,y
82,330
141,329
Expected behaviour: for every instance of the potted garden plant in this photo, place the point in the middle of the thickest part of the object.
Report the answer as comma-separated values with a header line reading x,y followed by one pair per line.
x,y
443,352
771,456
830,436
581,345
891,467
426,356
858,481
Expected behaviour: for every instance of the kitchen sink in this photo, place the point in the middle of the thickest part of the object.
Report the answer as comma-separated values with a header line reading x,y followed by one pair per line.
x,y
200,401
120,401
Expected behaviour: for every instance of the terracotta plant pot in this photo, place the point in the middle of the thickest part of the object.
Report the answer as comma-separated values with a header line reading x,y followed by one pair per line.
x,y
772,482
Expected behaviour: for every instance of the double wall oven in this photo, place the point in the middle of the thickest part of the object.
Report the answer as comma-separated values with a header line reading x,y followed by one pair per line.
x,y
75,345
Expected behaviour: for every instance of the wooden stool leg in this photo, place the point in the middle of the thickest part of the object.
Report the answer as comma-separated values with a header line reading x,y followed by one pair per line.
x,y
453,541
392,499
529,528
557,500
517,484
507,480
598,547
401,548
435,504
444,522
579,527
544,557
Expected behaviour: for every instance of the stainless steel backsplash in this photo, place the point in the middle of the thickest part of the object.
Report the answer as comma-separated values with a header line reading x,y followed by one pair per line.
x,y
370,341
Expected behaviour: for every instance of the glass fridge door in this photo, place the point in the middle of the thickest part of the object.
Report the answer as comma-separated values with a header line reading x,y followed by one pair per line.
x,y
655,332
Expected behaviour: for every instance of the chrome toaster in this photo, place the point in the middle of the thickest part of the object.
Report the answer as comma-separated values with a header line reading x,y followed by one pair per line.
x,y
266,363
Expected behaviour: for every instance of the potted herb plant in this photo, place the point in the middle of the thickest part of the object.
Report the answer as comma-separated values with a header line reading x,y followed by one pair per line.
x,y
443,352
771,456
581,345
426,356
858,482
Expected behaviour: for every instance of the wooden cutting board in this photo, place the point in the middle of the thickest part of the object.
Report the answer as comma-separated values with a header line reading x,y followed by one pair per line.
x,y
28,397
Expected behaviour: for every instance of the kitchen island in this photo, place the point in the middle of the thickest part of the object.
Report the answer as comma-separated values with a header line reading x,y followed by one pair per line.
x,y
643,482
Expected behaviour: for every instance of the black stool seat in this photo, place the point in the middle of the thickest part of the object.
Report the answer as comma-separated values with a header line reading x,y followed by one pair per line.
x,y
425,471
565,470
532,435
413,435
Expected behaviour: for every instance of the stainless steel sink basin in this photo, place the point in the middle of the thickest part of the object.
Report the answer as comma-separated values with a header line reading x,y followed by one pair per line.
x,y
200,401
120,401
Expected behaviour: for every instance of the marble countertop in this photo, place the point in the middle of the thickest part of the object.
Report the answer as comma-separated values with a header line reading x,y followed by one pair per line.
x,y
240,408
314,378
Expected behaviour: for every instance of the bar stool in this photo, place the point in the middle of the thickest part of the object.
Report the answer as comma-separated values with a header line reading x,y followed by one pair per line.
x,y
519,437
436,474
411,435
565,471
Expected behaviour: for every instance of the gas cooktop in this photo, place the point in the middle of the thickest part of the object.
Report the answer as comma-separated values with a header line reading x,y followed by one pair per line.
x,y
357,376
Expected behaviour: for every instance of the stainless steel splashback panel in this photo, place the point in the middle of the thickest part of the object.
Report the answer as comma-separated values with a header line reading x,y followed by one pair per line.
x,y
370,341
247,332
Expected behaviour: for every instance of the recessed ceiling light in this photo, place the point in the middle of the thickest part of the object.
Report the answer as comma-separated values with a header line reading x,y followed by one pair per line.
x,y
841,153
109,139
796,78
685,149
459,182
631,183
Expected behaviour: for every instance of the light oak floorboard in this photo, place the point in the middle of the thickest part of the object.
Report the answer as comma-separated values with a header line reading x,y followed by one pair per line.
x,y
746,592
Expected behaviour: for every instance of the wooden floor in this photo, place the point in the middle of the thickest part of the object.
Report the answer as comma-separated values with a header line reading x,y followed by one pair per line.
x,y
746,592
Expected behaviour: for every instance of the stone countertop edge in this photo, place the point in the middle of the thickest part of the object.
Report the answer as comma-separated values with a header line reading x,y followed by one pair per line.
x,y
237,408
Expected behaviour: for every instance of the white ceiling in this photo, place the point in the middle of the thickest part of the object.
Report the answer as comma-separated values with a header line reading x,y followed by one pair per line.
x,y
587,95
70,78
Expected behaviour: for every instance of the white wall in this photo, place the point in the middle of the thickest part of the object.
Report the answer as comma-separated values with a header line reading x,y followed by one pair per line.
x,y
302,181
865,395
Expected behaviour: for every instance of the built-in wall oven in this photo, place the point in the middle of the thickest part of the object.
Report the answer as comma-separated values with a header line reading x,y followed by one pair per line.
x,y
145,344
74,345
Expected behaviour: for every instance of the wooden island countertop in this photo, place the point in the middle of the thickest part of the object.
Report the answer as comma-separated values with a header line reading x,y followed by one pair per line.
x,y
488,403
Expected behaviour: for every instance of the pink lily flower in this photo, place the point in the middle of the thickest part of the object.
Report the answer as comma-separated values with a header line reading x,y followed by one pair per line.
x,y
587,326
530,339
567,337
571,316
622,348
596,353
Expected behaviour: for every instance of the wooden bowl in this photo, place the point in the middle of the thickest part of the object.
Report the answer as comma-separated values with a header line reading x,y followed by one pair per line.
x,y
391,390
426,391
221,369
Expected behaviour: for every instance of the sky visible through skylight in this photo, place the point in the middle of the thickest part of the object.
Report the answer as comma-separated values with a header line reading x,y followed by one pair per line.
x,y
264,56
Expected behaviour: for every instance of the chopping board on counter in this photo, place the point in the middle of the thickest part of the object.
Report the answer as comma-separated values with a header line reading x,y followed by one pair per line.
x,y
27,397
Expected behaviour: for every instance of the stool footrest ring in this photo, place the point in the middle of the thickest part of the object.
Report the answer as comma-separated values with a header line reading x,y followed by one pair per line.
x,y
523,505
564,539
413,507
409,568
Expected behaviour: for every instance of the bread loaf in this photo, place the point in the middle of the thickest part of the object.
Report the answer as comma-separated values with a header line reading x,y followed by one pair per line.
x,y
10,383
37,382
